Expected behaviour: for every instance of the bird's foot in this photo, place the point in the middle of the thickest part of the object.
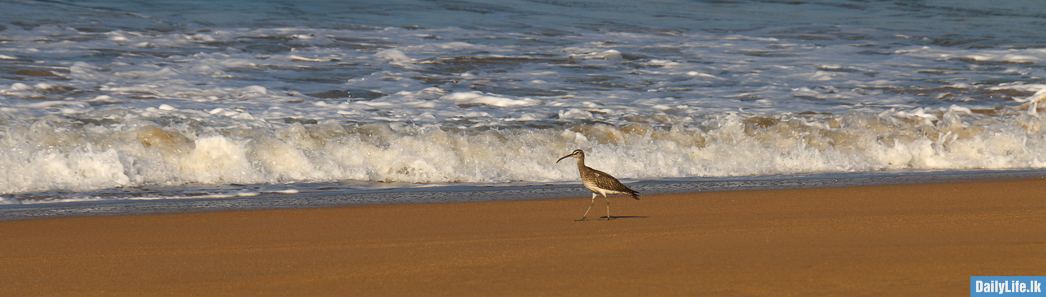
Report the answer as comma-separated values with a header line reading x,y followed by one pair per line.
x,y
582,219
607,218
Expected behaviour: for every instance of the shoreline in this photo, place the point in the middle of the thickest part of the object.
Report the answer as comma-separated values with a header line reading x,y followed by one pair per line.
x,y
314,196
925,239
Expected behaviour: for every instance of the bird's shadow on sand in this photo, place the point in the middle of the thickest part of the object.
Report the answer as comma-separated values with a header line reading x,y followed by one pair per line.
x,y
604,218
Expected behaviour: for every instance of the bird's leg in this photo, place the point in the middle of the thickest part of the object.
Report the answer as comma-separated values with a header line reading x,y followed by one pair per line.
x,y
589,207
608,208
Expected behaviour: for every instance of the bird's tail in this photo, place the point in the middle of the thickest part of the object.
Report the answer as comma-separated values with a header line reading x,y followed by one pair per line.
x,y
635,195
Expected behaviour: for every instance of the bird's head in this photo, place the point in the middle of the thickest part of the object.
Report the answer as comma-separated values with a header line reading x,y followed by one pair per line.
x,y
576,154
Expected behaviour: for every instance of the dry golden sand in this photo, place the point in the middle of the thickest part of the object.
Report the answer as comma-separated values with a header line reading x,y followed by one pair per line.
x,y
924,239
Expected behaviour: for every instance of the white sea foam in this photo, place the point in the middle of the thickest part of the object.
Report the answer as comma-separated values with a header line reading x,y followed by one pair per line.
x,y
45,156
480,98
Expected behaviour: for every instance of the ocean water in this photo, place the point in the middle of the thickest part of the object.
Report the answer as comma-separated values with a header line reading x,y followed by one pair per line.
x,y
125,100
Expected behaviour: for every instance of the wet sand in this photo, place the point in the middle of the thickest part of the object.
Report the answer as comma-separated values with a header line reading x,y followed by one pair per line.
x,y
924,239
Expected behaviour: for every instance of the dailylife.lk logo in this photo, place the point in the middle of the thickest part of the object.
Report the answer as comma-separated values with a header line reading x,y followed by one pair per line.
x,y
1007,285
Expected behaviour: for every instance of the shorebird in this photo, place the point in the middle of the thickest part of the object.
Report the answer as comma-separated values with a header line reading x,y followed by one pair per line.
x,y
598,182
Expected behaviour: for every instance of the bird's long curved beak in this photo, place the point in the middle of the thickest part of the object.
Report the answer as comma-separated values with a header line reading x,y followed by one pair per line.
x,y
564,157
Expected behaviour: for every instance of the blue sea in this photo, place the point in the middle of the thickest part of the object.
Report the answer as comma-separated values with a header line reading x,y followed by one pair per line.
x,y
104,103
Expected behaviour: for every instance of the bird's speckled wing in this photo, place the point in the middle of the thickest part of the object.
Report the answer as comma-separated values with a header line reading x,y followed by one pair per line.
x,y
605,181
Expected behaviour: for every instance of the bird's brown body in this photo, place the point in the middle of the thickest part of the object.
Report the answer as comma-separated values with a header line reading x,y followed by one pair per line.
x,y
598,182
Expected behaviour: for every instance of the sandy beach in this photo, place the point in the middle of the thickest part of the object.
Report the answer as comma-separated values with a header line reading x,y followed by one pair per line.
x,y
922,239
